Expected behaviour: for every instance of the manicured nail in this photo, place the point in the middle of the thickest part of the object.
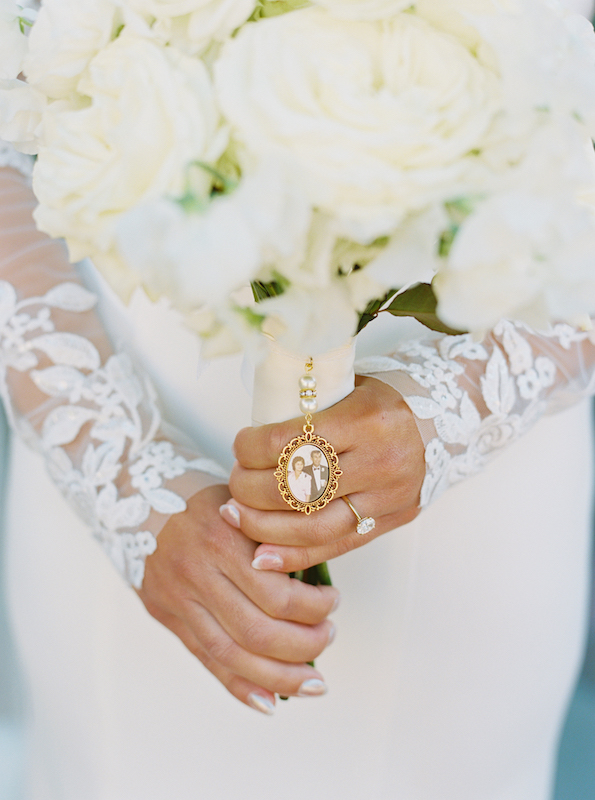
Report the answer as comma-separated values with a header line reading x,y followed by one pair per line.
x,y
268,561
336,604
262,704
312,688
331,635
230,514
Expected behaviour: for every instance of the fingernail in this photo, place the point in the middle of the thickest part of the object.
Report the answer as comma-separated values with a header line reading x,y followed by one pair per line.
x,y
331,634
336,604
268,561
262,704
230,514
312,688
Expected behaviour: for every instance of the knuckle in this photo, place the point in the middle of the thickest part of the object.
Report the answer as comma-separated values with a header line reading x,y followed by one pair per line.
x,y
280,605
236,482
221,649
323,530
200,654
308,557
347,544
258,637
276,439
411,514
240,446
154,609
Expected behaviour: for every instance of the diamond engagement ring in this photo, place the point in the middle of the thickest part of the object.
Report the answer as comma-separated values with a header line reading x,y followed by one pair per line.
x,y
364,524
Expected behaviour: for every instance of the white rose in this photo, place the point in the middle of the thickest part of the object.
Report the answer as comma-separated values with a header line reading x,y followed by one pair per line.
x,y
14,42
303,321
193,24
66,36
457,17
584,7
545,57
377,117
364,9
526,252
410,255
21,109
101,159
200,258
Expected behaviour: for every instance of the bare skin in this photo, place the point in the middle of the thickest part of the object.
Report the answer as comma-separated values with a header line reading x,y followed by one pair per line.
x,y
253,631
381,455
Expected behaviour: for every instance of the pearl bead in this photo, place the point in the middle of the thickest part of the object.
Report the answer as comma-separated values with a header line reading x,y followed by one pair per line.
x,y
308,405
307,382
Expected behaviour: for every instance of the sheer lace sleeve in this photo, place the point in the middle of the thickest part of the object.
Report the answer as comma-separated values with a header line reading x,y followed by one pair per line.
x,y
470,399
94,418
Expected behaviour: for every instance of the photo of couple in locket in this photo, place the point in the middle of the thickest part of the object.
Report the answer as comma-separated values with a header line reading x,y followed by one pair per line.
x,y
308,474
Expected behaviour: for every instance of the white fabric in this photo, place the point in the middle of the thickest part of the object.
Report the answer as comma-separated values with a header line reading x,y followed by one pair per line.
x,y
68,394
459,638
459,635
278,370
471,399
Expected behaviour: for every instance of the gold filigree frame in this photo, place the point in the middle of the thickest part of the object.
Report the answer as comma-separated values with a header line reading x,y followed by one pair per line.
x,y
282,471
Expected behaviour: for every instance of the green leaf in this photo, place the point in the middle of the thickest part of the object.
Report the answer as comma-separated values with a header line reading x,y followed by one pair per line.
x,y
273,8
373,309
191,203
252,318
223,184
323,575
265,289
420,302
24,23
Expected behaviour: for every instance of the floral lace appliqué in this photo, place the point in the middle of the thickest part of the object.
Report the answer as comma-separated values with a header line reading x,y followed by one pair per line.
x,y
474,398
97,429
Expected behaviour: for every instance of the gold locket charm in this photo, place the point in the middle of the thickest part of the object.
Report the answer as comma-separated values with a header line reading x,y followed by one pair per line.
x,y
308,472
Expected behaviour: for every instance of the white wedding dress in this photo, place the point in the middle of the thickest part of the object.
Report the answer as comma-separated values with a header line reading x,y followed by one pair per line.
x,y
459,635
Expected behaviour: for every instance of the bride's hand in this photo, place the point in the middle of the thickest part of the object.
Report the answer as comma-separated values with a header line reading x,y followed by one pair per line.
x,y
253,631
381,455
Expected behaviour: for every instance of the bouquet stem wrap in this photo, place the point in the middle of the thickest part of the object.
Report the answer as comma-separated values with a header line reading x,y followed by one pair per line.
x,y
276,397
276,381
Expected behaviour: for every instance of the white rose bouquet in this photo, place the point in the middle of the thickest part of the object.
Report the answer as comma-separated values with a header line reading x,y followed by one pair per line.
x,y
333,153
431,158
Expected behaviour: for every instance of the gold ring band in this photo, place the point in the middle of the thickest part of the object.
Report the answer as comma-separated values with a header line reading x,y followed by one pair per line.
x,y
364,524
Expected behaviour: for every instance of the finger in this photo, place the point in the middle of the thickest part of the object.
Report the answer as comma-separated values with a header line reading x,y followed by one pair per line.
x,y
293,528
276,676
259,448
363,470
260,634
247,692
258,488
277,595
293,559
282,597
242,619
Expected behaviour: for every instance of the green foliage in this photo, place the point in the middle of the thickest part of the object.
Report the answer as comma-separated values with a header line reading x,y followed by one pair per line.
x,y
24,23
372,310
273,8
194,201
252,318
222,184
458,210
420,302
264,289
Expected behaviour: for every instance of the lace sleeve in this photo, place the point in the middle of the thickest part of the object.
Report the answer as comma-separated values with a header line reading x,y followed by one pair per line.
x,y
470,399
92,417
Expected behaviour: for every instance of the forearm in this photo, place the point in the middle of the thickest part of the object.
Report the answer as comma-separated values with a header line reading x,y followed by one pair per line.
x,y
85,407
470,399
